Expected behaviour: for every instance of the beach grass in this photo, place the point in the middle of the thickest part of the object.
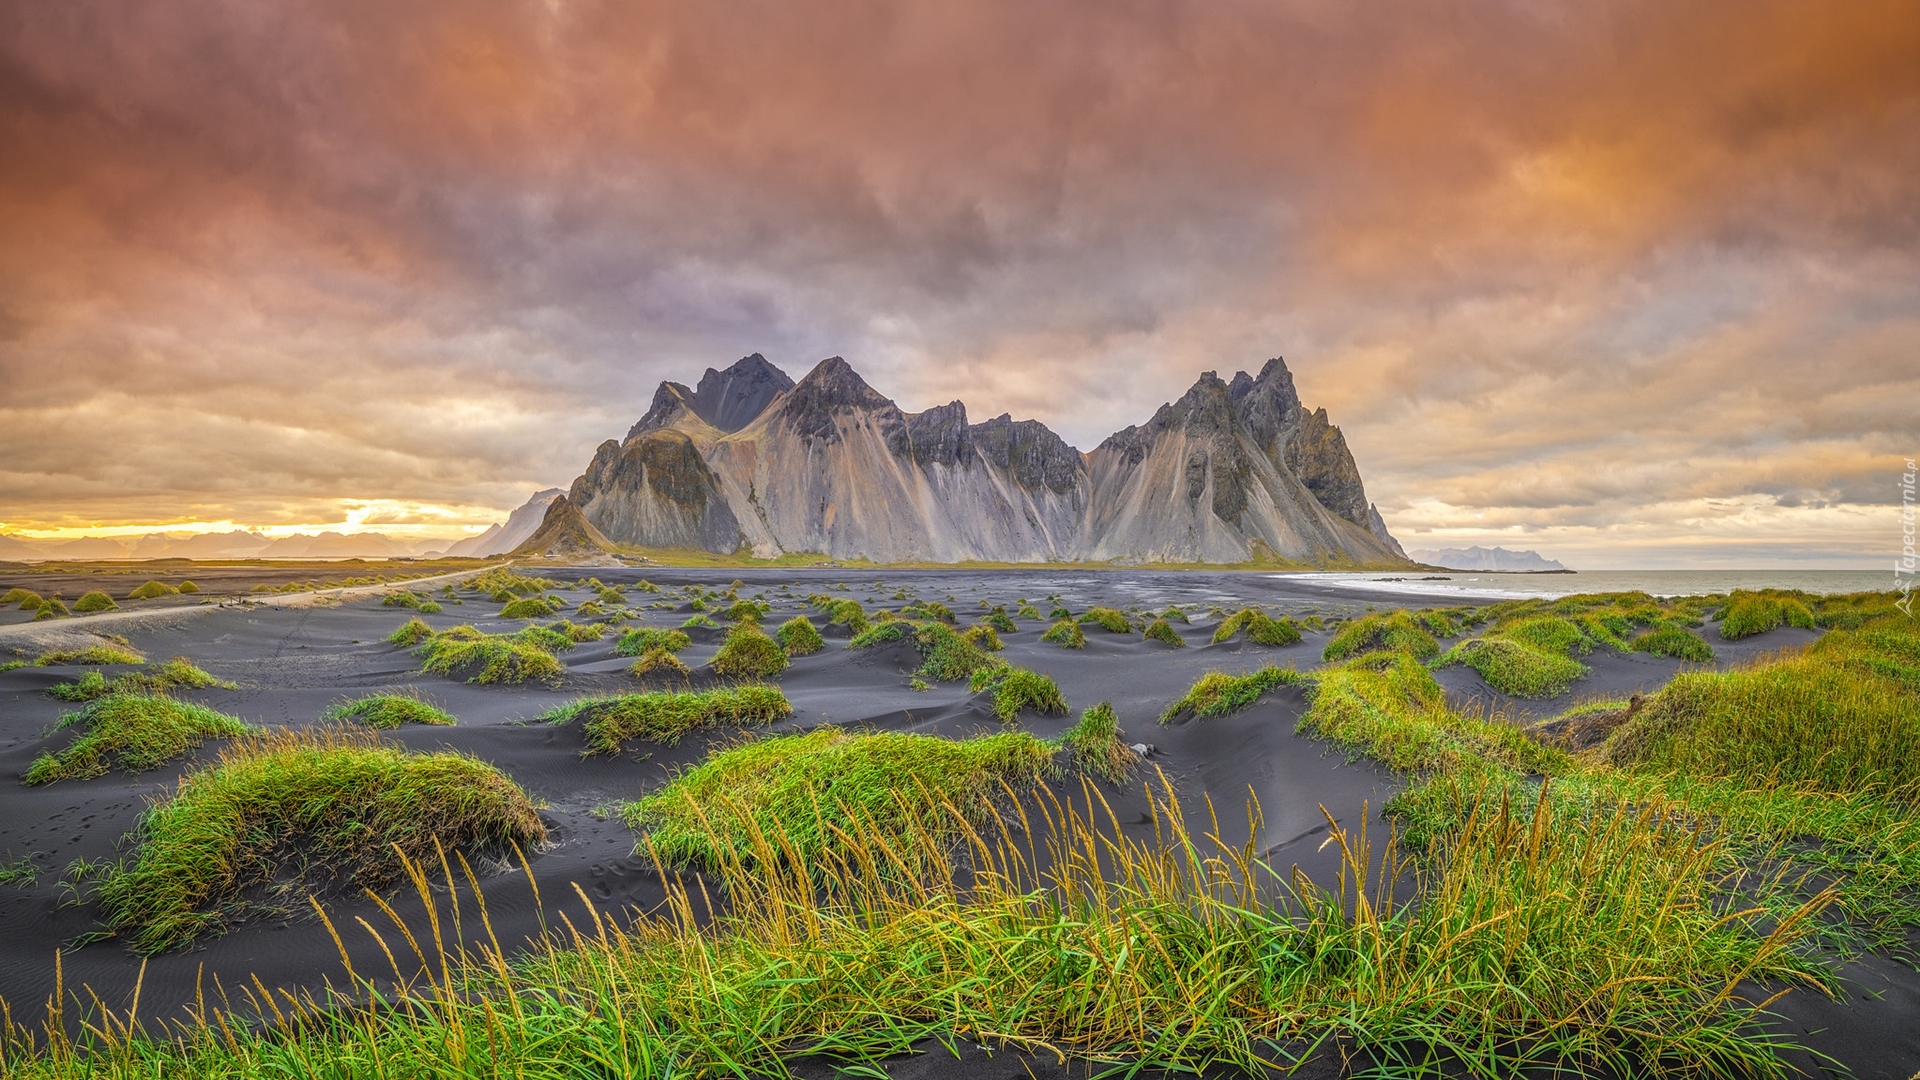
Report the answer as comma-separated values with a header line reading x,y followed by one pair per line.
x,y
492,658
1259,627
1217,693
177,673
1162,631
389,710
1096,743
802,798
1066,633
135,732
748,653
799,637
1015,690
666,716
330,806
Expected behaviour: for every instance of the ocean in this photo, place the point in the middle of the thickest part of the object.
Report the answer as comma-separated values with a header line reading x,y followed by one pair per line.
x,y
1479,583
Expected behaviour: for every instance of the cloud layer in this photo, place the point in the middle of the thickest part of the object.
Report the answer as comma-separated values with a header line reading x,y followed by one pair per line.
x,y
1629,282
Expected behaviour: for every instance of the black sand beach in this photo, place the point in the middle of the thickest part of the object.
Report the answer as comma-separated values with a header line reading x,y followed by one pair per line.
x,y
291,662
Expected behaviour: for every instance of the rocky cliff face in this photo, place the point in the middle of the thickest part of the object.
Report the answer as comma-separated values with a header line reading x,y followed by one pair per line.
x,y
1232,471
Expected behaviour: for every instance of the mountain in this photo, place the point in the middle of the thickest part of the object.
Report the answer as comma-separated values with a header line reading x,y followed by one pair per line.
x,y
501,538
1479,558
565,534
1232,471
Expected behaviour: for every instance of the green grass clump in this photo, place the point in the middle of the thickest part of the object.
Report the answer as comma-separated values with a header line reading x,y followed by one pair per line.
x,y
1027,611
664,716
1016,688
644,639
1513,668
1260,628
50,608
501,584
327,808
91,654
1001,621
1161,630
27,599
748,653
1750,613
1394,631
188,587
176,673
151,590
658,661
492,658
1675,642
137,732
531,607
390,710
1067,634
1108,619
799,636
817,790
1838,717
406,598
747,610
1096,744
578,632
984,637
410,633
882,634
700,620
930,609
1218,693
1387,705
545,638
94,601
947,655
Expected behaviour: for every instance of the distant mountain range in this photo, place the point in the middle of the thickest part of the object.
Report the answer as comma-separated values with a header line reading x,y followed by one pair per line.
x,y
1479,558
226,545
1236,470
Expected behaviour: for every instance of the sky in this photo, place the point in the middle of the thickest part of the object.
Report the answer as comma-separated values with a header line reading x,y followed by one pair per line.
x,y
1635,284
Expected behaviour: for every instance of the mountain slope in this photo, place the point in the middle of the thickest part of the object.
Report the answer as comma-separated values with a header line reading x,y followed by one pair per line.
x,y
501,538
1231,472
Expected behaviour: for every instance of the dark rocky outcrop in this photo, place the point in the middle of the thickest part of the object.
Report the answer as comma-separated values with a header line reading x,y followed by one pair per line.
x,y
734,398
656,485
1030,452
940,436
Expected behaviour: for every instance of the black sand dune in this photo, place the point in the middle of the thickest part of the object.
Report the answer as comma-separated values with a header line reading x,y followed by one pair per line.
x,y
292,662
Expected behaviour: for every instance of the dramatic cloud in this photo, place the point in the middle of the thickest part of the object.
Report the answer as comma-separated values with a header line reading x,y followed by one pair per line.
x,y
1630,282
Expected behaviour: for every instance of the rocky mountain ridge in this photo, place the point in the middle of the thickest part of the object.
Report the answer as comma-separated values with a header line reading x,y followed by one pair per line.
x,y
1233,471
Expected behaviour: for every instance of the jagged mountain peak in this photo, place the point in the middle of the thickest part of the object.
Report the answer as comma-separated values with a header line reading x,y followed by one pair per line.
x,y
834,387
734,398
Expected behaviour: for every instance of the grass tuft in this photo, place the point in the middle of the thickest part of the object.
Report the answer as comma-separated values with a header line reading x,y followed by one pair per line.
x,y
491,658
1675,642
91,654
748,653
1108,619
1015,689
658,661
1514,668
151,590
136,732
531,607
664,716
323,808
1097,746
1161,630
177,673
1394,631
1067,634
1217,693
812,793
799,637
644,639
411,633
390,710
1750,613
94,601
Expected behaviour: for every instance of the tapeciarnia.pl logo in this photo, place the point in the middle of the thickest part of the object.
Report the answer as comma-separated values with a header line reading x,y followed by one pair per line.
x,y
1903,567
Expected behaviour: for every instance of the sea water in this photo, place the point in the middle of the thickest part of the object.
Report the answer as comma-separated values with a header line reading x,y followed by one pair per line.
x,y
1655,582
